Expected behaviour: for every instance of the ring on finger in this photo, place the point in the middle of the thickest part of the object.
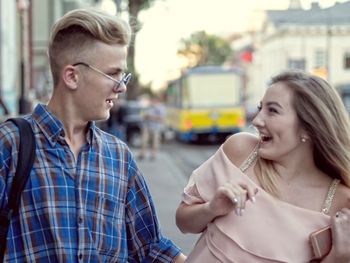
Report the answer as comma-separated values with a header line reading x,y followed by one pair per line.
x,y
235,200
340,215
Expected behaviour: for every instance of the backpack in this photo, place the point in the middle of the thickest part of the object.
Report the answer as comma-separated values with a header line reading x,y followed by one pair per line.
x,y
26,154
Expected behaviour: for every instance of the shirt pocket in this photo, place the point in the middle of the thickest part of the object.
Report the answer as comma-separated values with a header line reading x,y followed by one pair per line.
x,y
106,222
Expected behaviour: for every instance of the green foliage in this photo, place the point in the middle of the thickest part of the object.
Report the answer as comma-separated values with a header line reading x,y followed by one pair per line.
x,y
204,49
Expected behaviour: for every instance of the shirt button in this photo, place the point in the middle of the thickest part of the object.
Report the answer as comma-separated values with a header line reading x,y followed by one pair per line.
x,y
80,220
80,256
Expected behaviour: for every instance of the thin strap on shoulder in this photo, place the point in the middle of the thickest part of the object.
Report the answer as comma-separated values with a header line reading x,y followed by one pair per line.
x,y
250,159
330,196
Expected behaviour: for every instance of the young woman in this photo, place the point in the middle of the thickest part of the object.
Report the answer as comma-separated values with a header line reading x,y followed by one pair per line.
x,y
259,198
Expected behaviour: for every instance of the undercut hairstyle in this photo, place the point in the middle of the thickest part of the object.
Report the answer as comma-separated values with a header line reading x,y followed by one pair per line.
x,y
74,37
322,114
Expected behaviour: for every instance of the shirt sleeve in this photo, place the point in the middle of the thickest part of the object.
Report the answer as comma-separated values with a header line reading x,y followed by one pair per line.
x,y
190,194
145,241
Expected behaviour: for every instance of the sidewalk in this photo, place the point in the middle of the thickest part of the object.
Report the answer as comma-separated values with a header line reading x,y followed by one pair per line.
x,y
166,183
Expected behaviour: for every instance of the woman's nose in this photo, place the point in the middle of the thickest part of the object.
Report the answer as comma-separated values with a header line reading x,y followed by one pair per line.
x,y
258,120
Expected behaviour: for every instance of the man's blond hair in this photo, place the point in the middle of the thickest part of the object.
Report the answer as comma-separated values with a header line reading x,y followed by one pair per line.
x,y
74,36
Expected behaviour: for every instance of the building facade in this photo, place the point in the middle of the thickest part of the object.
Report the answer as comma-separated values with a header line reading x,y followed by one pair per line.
x,y
8,57
316,40
24,32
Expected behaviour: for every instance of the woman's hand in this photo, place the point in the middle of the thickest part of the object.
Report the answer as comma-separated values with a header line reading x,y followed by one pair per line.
x,y
341,235
232,196
340,251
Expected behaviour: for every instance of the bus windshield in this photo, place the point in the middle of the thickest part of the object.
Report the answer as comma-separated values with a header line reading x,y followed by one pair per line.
x,y
212,90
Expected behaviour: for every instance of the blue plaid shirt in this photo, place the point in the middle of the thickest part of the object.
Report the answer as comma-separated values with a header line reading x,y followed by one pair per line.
x,y
93,209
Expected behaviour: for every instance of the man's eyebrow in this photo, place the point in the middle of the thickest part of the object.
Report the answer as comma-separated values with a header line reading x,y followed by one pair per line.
x,y
117,68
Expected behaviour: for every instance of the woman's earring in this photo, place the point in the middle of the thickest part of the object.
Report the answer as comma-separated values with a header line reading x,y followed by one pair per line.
x,y
303,139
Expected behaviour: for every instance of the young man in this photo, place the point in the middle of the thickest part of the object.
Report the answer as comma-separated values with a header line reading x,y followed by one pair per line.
x,y
85,199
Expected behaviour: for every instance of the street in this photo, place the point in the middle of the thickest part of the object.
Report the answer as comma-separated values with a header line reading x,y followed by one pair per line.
x,y
166,177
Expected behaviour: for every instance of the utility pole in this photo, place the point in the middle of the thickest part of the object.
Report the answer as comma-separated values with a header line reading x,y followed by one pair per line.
x,y
22,7
118,4
328,44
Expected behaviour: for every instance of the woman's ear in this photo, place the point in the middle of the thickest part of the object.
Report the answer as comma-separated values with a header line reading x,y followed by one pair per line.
x,y
70,77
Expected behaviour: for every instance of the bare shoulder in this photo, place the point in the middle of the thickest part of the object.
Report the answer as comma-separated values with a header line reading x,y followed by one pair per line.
x,y
342,198
238,146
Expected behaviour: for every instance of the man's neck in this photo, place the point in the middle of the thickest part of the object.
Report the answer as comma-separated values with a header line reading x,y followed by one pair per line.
x,y
75,128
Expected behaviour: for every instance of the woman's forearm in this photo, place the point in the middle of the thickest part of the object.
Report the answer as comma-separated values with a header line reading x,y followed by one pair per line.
x,y
193,218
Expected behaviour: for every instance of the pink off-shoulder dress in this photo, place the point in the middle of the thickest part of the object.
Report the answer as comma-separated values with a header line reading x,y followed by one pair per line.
x,y
269,231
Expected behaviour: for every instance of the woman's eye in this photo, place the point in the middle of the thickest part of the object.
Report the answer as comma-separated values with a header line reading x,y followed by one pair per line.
x,y
273,110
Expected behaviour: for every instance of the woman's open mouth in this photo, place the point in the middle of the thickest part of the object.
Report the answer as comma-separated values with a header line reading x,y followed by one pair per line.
x,y
265,138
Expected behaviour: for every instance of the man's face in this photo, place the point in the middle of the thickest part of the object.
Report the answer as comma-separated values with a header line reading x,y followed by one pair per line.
x,y
96,92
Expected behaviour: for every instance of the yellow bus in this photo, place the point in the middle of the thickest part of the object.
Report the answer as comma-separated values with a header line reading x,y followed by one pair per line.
x,y
206,103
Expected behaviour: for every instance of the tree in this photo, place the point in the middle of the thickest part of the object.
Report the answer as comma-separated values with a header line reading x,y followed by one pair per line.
x,y
134,7
204,49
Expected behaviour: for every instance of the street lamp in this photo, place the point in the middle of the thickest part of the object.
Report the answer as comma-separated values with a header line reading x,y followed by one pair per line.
x,y
22,7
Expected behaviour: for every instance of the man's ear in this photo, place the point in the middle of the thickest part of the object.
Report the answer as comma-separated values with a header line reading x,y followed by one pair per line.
x,y
70,77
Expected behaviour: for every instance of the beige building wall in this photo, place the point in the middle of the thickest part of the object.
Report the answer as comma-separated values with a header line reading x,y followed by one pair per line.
x,y
278,48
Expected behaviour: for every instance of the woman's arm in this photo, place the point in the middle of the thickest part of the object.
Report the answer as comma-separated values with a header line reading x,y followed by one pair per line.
x,y
193,218
230,196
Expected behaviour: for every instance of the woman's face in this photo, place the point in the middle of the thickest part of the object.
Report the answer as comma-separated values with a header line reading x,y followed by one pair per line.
x,y
277,123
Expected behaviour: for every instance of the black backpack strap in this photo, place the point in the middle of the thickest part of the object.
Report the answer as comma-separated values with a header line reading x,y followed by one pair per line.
x,y
26,155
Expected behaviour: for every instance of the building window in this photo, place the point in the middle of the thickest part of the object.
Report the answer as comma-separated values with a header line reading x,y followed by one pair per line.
x,y
320,59
347,60
296,64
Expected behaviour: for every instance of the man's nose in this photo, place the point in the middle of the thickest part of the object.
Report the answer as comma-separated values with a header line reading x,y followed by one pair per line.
x,y
121,88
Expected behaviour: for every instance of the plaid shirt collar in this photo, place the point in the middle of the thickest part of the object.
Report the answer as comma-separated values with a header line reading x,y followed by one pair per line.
x,y
53,128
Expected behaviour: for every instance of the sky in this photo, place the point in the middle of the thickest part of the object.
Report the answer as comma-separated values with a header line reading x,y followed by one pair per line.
x,y
168,21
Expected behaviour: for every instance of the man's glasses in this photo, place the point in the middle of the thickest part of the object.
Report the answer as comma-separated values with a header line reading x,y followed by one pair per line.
x,y
125,78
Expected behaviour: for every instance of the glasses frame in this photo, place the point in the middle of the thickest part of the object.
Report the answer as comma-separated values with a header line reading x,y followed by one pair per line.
x,y
125,78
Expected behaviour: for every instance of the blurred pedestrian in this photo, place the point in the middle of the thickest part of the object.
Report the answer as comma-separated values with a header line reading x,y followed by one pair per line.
x,y
152,127
86,200
260,198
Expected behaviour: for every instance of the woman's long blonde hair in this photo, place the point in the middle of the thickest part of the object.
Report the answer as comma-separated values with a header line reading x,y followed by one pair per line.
x,y
322,115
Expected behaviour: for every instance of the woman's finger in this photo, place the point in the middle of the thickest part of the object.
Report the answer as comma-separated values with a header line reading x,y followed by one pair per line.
x,y
251,191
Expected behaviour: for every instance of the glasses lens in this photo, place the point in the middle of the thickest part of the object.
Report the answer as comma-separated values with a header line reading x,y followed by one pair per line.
x,y
126,78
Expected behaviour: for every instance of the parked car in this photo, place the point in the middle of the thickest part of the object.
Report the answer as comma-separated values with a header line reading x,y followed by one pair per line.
x,y
129,115
125,122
